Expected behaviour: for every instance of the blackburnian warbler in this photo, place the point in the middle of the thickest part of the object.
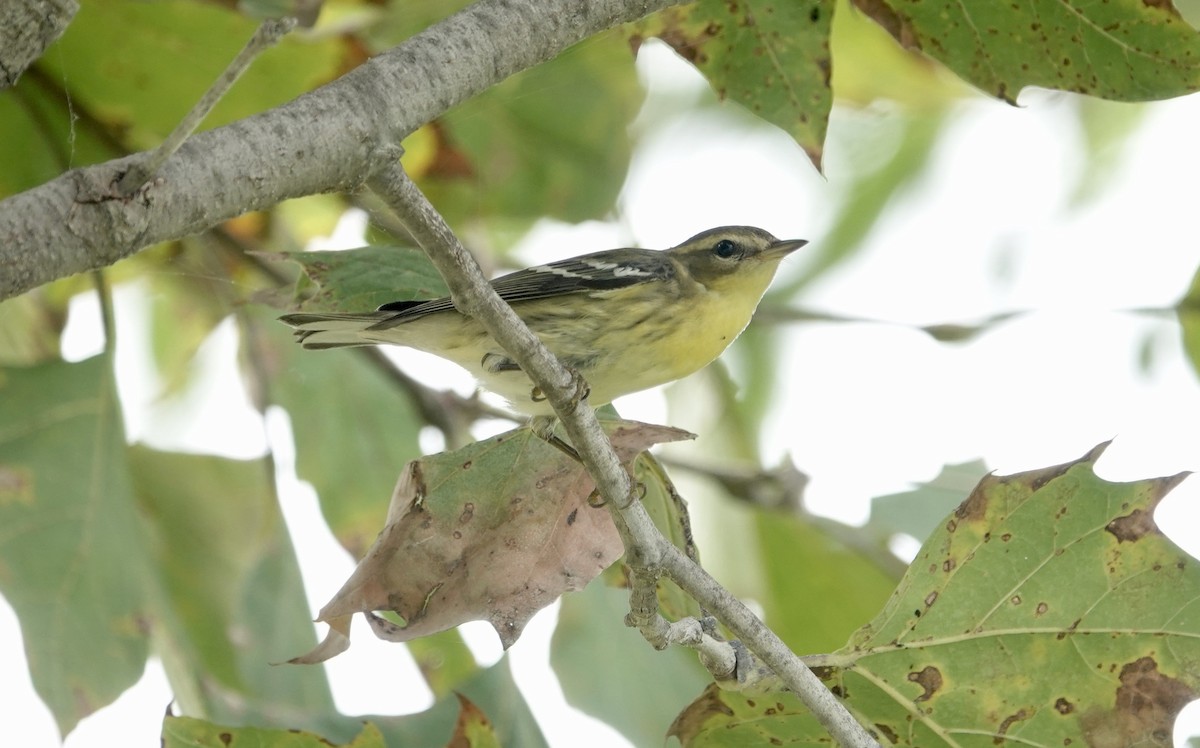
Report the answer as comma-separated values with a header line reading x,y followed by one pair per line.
x,y
626,319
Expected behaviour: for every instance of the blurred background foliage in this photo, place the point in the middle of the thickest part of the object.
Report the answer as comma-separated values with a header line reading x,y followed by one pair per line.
x,y
133,549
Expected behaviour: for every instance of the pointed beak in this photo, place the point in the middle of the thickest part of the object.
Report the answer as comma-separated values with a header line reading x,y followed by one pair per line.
x,y
783,248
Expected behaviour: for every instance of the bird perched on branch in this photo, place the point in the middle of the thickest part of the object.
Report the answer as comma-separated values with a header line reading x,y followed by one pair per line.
x,y
626,319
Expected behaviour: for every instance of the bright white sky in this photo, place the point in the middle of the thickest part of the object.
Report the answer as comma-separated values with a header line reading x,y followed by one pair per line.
x,y
869,409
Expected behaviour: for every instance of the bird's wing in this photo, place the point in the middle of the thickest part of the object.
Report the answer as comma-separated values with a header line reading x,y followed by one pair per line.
x,y
594,272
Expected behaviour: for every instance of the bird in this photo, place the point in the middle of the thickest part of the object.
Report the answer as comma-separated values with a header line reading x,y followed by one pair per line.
x,y
626,319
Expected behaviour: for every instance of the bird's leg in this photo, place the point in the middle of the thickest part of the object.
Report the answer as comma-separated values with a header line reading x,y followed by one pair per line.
x,y
543,428
582,389
496,363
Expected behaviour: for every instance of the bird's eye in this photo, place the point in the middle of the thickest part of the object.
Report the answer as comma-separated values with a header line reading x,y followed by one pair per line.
x,y
725,249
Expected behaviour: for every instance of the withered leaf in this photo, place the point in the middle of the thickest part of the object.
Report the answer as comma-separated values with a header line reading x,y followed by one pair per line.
x,y
495,531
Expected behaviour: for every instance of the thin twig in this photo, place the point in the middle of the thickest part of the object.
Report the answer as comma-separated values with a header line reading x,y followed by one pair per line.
x,y
268,33
946,332
646,550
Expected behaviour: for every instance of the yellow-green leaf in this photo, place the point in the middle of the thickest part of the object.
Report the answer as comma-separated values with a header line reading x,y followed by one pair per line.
x,y
1127,50
473,729
550,142
1048,609
641,707
219,542
770,57
119,86
186,732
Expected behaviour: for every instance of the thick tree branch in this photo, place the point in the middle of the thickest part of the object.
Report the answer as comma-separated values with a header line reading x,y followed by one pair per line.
x,y
323,141
27,27
646,550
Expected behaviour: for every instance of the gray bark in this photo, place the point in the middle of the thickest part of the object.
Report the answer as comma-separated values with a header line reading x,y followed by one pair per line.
x,y
27,27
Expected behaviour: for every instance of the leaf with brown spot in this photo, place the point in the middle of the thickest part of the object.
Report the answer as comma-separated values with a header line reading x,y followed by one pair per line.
x,y
490,543
1076,627
473,729
188,732
928,679
1126,50
771,57
1146,705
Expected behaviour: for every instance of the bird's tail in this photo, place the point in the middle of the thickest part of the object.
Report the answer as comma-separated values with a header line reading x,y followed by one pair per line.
x,y
333,330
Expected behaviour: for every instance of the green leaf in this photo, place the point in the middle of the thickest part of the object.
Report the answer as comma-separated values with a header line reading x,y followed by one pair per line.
x,y
725,719
191,289
73,560
1048,609
397,22
771,57
1108,129
120,87
1188,310
444,659
354,428
641,707
871,186
814,590
550,142
236,599
1126,50
473,729
870,66
30,326
493,691
40,136
919,511
186,732
359,280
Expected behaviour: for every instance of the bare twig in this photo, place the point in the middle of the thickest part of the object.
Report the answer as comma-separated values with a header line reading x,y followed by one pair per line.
x,y
648,553
947,332
268,33
775,488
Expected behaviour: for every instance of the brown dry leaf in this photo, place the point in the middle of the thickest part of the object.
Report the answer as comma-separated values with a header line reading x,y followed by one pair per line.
x,y
495,531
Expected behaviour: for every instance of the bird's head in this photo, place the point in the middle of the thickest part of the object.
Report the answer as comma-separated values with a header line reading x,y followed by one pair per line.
x,y
734,259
